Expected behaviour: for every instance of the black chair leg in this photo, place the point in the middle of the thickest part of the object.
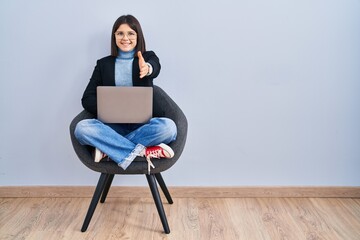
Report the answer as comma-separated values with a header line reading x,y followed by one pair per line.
x,y
109,180
163,187
99,189
155,193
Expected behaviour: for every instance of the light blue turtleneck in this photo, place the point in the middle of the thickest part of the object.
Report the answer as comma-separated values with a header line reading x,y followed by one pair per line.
x,y
123,68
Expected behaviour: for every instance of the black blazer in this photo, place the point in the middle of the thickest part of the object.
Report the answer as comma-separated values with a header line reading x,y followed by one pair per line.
x,y
104,75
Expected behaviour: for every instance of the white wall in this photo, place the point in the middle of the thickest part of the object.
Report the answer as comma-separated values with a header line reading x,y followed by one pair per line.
x,y
270,88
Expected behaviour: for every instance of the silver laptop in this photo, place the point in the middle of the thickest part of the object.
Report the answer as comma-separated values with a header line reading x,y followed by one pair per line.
x,y
124,104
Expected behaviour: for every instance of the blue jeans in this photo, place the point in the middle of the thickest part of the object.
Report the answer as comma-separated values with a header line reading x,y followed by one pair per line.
x,y
124,142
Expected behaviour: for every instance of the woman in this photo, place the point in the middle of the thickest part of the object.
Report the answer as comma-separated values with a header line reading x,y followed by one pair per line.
x,y
129,65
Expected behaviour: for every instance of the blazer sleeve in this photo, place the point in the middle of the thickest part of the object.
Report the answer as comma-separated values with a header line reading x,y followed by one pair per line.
x,y
89,97
150,57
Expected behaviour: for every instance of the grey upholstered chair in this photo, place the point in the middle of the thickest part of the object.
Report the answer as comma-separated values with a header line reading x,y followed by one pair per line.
x,y
163,106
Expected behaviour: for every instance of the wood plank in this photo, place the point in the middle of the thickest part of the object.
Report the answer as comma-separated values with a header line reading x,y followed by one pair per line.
x,y
189,218
184,192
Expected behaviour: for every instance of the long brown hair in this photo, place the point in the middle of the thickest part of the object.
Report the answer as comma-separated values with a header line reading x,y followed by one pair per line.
x,y
134,25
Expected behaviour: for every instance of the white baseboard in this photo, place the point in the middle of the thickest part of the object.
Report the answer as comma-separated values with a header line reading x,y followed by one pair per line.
x,y
182,192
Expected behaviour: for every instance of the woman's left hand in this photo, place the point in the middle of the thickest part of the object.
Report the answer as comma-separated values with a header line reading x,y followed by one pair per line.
x,y
144,68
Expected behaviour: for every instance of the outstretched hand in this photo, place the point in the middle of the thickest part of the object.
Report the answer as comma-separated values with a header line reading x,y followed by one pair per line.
x,y
144,68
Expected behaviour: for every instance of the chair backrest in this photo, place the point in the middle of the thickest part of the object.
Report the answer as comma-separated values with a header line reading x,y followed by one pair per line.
x,y
163,106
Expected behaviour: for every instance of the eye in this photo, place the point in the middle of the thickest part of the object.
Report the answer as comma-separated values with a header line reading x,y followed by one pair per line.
x,y
119,34
131,34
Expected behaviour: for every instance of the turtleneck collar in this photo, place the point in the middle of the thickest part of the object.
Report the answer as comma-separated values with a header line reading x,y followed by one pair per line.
x,y
126,55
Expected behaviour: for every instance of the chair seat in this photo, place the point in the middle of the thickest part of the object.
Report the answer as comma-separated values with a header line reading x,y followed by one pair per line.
x,y
163,106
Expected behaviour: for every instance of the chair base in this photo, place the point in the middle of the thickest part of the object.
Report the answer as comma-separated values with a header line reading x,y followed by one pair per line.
x,y
104,185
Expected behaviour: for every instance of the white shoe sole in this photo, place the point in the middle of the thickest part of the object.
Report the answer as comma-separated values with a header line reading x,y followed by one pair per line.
x,y
169,153
98,155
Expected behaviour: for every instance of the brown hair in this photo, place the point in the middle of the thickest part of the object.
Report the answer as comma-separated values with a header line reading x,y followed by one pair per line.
x,y
134,25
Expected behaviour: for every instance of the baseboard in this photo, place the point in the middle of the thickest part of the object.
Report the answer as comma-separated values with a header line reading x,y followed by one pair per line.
x,y
182,192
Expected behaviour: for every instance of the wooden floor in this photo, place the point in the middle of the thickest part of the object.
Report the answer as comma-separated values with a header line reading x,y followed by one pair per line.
x,y
189,218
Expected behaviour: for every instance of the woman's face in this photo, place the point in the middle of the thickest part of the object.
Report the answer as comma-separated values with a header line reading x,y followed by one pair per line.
x,y
126,38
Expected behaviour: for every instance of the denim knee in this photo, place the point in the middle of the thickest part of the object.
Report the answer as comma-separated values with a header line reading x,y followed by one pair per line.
x,y
169,128
83,128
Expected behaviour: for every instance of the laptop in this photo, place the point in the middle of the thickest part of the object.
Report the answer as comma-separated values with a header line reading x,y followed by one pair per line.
x,y
124,104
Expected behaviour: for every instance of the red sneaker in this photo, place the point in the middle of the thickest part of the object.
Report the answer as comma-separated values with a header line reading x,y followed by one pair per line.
x,y
160,151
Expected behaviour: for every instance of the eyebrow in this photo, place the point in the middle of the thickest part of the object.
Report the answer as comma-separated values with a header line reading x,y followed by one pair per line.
x,y
125,31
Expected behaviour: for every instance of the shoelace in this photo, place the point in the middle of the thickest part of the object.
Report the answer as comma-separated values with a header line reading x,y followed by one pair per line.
x,y
149,163
152,154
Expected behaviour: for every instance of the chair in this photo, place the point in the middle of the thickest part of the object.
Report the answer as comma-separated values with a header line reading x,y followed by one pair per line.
x,y
163,106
